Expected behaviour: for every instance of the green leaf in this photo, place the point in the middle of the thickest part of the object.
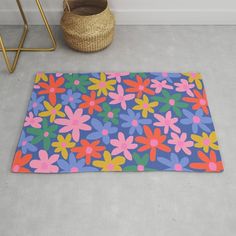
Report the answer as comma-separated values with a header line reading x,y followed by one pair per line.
x,y
159,99
166,93
106,107
144,160
37,139
115,121
165,108
176,96
46,143
34,131
182,104
130,168
177,111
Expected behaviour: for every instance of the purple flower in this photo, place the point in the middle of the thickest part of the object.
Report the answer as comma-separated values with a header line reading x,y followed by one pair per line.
x,y
197,120
133,122
35,104
166,76
175,163
73,165
25,144
71,98
102,131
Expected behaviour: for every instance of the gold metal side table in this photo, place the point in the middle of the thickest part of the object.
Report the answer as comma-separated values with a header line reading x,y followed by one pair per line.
x,y
11,67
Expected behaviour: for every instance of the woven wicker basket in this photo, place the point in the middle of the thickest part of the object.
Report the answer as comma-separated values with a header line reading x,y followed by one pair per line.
x,y
88,25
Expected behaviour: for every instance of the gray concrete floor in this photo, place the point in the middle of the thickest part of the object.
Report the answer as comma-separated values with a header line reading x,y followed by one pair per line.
x,y
129,204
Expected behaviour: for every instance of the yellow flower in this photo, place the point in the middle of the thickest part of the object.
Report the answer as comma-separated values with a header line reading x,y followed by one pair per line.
x,y
102,85
196,78
63,144
110,164
52,111
41,76
145,106
205,141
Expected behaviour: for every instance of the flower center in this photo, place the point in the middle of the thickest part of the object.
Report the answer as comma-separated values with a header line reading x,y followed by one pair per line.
x,y
71,99
46,134
154,142
180,144
140,168
110,166
193,75
167,122
206,141
172,102
102,84
75,122
63,144
145,105
24,142
196,119
202,102
89,150
35,104
141,87
92,103
110,115
54,111
52,90
124,146
16,168
76,82
178,167
212,166
44,165
105,132
134,123
74,170
121,98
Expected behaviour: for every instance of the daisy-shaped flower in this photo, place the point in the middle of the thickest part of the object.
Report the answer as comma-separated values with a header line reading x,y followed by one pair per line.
x,y
199,101
52,111
71,98
36,104
123,145
20,162
102,85
167,121
40,76
145,106
33,121
74,122
166,76
77,82
117,76
52,88
102,131
88,150
109,163
45,164
134,122
73,165
181,143
208,163
194,78
120,97
62,145
139,86
25,143
184,86
174,163
109,114
171,102
159,85
197,120
92,103
205,141
152,141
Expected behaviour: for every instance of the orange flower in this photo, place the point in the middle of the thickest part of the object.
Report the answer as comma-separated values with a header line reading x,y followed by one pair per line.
x,y
152,141
20,161
200,101
139,87
92,103
209,164
52,88
88,150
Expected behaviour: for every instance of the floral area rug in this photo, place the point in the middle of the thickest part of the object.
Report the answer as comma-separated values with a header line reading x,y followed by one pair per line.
x,y
118,122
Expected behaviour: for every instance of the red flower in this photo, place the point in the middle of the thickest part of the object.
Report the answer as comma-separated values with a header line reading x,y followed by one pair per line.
x,y
200,101
139,87
20,161
92,103
52,88
153,141
88,150
209,164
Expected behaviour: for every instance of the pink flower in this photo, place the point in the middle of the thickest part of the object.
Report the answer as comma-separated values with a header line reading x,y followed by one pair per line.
x,y
45,164
181,143
120,97
117,76
159,85
58,75
184,86
123,145
75,122
167,122
33,121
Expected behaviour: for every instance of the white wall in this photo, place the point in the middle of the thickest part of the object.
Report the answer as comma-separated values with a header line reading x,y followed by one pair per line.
x,y
137,11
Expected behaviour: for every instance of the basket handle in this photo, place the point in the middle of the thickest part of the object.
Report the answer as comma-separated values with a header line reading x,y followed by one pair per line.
x,y
67,6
